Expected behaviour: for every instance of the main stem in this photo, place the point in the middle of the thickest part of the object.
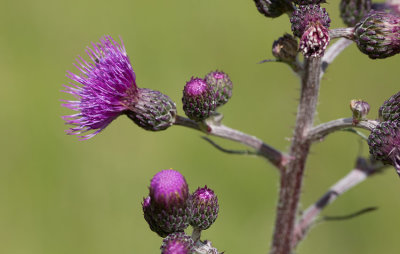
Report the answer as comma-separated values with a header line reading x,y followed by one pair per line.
x,y
292,174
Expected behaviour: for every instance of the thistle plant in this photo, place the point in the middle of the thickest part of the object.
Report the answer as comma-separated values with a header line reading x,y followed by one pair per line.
x,y
106,89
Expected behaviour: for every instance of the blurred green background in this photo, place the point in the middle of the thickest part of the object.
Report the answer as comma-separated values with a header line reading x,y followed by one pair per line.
x,y
61,195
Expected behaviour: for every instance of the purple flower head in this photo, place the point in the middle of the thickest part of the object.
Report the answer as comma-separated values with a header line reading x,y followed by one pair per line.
x,y
378,35
205,208
198,99
104,89
352,11
390,109
384,143
306,2
196,87
169,188
274,8
311,23
222,86
177,243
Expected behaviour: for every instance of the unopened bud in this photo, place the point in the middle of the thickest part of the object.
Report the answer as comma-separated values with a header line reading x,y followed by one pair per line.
x,y
390,109
360,110
378,35
285,49
177,243
221,84
274,8
352,11
204,208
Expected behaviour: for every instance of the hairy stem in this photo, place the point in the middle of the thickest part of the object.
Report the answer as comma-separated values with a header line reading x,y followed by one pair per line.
x,y
362,171
196,234
292,174
342,32
320,131
216,129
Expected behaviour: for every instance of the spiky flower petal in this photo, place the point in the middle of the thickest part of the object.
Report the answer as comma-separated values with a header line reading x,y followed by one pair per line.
x,y
177,243
274,8
352,11
198,99
204,208
378,35
390,109
384,143
152,110
167,209
221,84
104,89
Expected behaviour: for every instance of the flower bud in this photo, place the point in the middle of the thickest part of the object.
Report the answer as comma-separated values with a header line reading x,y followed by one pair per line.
x,y
360,110
285,49
384,143
204,208
273,8
305,2
152,110
311,23
222,86
198,99
167,209
352,11
177,243
390,110
378,35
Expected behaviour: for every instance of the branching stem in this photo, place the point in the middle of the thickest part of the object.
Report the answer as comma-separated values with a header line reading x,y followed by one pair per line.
x,y
216,129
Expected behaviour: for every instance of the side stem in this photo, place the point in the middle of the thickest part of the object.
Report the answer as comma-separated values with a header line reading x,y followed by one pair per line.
x,y
292,174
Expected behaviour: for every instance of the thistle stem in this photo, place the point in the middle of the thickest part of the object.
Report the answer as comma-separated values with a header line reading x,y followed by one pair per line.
x,y
196,234
274,156
360,173
320,131
342,32
292,174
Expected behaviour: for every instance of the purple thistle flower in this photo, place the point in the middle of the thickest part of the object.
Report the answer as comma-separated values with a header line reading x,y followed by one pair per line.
x,y
177,243
393,6
384,143
205,208
106,88
167,209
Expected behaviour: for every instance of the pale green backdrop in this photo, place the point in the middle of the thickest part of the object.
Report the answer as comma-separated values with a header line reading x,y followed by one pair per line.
x,y
59,195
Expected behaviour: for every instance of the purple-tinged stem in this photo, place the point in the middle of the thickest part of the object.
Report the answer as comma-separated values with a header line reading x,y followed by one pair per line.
x,y
320,131
361,172
274,156
292,174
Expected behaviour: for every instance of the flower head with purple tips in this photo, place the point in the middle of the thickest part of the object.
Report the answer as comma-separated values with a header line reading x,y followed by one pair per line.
x,y
105,88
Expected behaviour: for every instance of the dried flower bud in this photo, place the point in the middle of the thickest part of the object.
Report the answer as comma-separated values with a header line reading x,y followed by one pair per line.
x,y
360,110
152,110
221,84
274,8
306,2
311,23
167,209
390,109
352,11
384,143
198,99
378,35
285,49
177,243
204,208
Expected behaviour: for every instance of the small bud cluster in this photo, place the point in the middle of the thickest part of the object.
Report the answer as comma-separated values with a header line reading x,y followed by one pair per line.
x,y
201,97
310,23
169,209
352,11
378,35
384,140
274,8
